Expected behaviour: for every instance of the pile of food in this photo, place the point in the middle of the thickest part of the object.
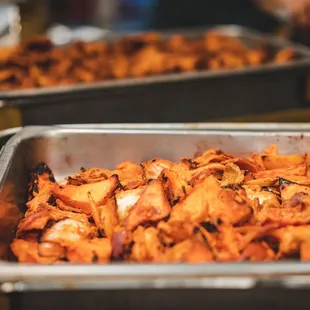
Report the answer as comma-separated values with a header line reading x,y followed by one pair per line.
x,y
38,63
213,207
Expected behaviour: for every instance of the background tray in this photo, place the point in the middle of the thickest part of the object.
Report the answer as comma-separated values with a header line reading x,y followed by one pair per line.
x,y
185,97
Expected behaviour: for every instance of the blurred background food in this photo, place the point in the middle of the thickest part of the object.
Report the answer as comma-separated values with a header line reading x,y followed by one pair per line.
x,y
37,62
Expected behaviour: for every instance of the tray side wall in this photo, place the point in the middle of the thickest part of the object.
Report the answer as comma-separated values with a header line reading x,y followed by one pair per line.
x,y
186,101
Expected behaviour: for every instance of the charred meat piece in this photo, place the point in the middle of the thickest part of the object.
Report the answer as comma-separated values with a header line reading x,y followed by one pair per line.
x,y
41,177
130,175
153,168
288,189
175,185
87,176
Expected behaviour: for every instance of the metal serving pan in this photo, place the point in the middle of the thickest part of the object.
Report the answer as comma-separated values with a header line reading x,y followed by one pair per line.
x,y
185,97
119,285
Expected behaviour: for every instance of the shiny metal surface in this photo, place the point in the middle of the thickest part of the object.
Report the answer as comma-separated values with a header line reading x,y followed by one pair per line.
x,y
200,126
66,148
248,36
6,134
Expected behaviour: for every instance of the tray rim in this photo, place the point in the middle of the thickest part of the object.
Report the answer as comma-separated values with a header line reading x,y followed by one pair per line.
x,y
229,126
7,151
225,126
23,277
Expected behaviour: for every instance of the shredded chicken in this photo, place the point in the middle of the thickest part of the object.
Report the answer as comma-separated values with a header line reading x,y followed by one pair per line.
x,y
213,207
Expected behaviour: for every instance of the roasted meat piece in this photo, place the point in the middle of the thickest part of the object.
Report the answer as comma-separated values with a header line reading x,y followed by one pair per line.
x,y
152,206
91,175
290,239
146,245
209,201
125,200
189,251
77,196
258,251
295,211
265,196
282,161
92,251
233,175
288,189
28,252
45,214
153,168
175,184
130,175
68,231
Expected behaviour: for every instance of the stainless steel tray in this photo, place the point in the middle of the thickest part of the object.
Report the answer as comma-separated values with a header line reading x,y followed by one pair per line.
x,y
248,36
60,147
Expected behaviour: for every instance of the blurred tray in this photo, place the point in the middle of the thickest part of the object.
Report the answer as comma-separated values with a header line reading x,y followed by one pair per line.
x,y
184,97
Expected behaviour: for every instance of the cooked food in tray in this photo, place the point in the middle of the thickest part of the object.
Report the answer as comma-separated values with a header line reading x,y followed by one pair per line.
x,y
213,207
38,63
